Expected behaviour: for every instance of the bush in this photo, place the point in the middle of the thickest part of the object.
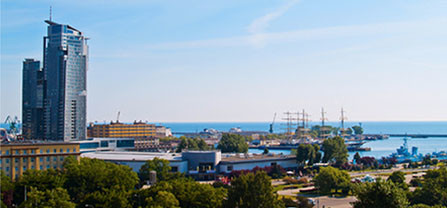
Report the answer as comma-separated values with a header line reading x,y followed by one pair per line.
x,y
290,180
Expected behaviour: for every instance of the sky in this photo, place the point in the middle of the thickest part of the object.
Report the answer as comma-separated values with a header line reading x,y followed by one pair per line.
x,y
224,61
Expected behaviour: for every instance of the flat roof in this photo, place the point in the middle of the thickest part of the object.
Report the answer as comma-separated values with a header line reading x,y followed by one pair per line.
x,y
132,156
242,158
35,143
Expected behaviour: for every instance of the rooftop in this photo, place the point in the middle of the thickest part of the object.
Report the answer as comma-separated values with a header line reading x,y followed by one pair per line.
x,y
132,156
240,158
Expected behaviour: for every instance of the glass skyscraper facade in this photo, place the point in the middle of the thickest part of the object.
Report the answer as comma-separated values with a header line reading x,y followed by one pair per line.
x,y
65,72
32,100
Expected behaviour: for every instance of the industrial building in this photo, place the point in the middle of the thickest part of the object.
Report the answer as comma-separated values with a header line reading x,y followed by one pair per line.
x,y
16,158
106,144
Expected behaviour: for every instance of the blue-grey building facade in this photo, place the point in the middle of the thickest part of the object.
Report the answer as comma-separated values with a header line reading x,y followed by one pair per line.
x,y
65,71
33,92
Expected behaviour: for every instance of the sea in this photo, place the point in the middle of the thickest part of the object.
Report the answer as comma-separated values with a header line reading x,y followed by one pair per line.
x,y
379,148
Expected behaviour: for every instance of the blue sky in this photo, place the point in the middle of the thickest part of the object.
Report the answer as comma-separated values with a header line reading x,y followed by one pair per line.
x,y
381,60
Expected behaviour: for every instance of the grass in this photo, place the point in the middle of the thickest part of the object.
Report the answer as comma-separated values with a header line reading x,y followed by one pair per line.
x,y
282,187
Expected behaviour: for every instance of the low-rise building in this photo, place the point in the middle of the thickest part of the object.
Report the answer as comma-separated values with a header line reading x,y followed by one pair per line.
x,y
16,158
136,159
235,162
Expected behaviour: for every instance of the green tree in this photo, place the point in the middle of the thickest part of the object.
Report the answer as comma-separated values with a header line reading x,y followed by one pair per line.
x,y
252,190
357,157
266,151
306,152
161,166
398,178
233,143
7,188
335,151
433,190
332,178
192,144
379,194
191,194
39,179
98,183
317,157
358,130
57,197
162,199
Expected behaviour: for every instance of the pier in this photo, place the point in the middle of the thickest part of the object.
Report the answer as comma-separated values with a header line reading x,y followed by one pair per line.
x,y
417,135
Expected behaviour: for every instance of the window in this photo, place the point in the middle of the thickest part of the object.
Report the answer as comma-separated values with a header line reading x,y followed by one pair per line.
x,y
54,159
41,167
68,150
25,152
0,160
32,159
17,169
230,168
25,160
273,164
7,169
48,150
54,167
32,167
48,166
174,169
17,152
61,150
32,152
7,160
48,159
24,168
74,149
41,159
17,160
62,159
41,151
7,152
54,150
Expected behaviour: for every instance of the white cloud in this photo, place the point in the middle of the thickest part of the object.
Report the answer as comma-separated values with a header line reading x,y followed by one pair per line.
x,y
257,27
261,23
309,34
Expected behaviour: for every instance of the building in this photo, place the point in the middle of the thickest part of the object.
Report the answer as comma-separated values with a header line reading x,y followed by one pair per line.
x,y
16,158
106,144
121,130
136,159
32,100
65,71
201,165
162,131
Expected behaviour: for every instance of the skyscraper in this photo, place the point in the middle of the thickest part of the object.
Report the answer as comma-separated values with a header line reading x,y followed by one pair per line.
x,y
65,71
32,101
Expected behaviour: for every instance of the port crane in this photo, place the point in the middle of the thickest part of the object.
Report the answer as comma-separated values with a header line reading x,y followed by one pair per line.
x,y
271,125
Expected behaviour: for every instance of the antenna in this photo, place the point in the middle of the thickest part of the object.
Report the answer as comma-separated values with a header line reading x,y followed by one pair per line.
x,y
50,12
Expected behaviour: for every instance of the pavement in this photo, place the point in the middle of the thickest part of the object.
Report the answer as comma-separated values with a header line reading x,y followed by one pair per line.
x,y
333,202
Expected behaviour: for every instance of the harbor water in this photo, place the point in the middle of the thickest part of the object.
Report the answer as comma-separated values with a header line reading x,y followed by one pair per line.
x,y
379,148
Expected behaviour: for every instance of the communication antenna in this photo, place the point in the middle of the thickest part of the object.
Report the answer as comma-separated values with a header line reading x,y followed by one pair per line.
x,y
50,12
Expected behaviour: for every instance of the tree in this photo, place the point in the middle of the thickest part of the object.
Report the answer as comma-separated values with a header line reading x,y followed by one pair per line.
x,y
162,199
39,179
233,143
398,178
358,130
309,153
252,190
379,194
335,150
161,166
57,197
192,144
433,190
266,151
349,131
332,178
357,157
7,188
98,183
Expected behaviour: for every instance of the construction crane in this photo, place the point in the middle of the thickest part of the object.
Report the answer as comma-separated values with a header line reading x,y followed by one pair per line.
x,y
271,125
12,124
118,117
